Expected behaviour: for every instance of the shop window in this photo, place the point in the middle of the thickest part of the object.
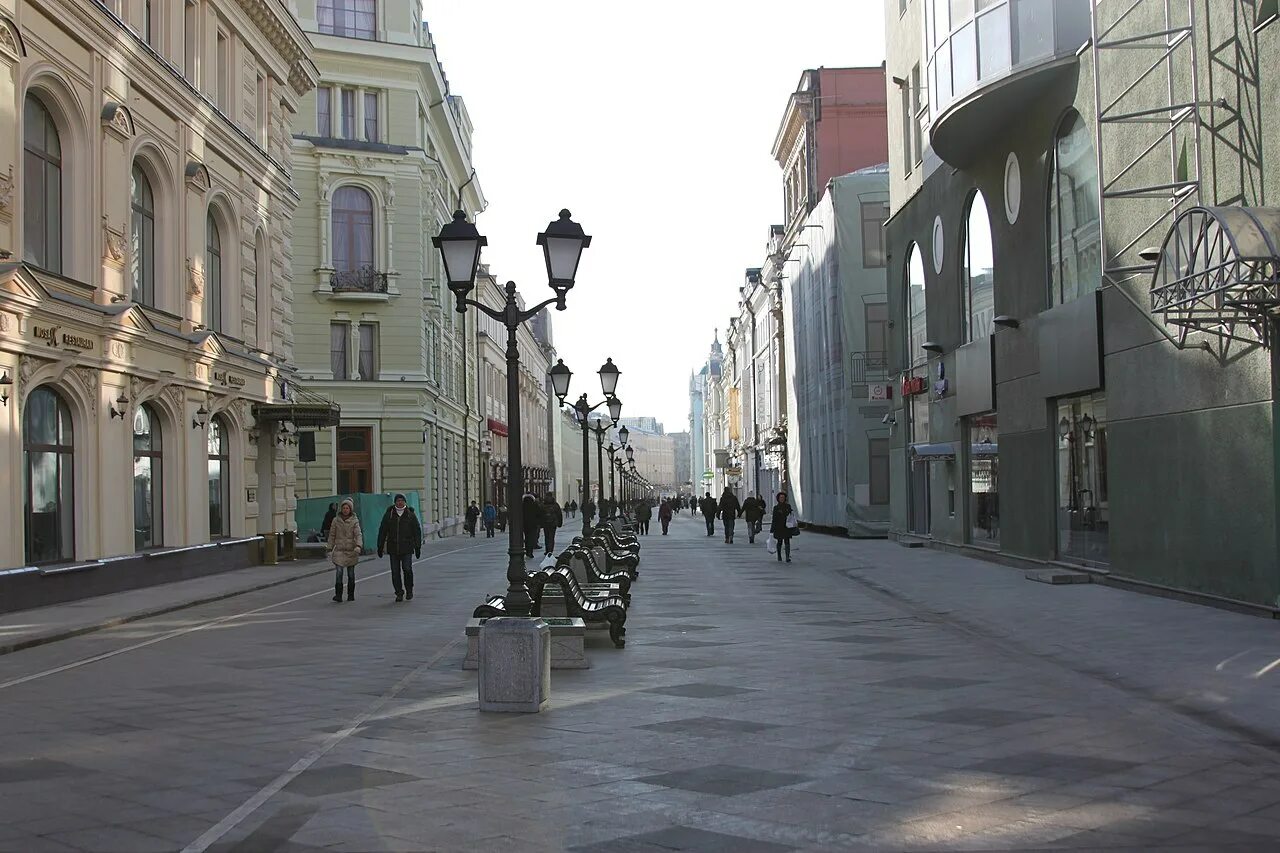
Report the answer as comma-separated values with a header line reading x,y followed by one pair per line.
x,y
147,479
1083,502
42,187
219,480
1075,237
48,478
984,480
979,271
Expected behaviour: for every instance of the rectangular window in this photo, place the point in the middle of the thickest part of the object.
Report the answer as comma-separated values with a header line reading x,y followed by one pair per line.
x,y
264,120
984,480
1084,506
876,316
324,111
348,113
918,108
339,363
368,351
371,116
908,119
874,215
189,40
224,71
349,18
878,455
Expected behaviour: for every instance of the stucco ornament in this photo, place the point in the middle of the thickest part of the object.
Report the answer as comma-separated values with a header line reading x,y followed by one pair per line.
x,y
197,176
195,280
114,246
6,192
117,119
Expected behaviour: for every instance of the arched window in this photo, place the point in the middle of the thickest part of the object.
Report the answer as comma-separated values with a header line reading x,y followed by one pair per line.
x,y
219,480
143,235
49,478
42,187
917,316
1075,238
352,229
148,530
213,274
979,271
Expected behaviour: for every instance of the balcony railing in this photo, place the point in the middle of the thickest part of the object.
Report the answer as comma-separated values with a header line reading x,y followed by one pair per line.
x,y
363,280
871,366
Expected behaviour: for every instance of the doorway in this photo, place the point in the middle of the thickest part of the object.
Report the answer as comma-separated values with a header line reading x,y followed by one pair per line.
x,y
920,521
355,460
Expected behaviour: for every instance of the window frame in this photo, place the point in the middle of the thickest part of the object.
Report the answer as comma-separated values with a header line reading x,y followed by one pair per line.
x,y
881,207
155,453
343,328
142,232
213,270
63,450
222,458
347,218
52,242
352,8
966,264
324,111
373,350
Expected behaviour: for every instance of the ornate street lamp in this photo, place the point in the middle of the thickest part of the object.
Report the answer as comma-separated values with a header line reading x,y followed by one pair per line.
x,y
582,410
459,244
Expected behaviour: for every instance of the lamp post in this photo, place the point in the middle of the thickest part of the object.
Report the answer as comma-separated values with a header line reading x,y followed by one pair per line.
x,y
600,428
582,410
562,243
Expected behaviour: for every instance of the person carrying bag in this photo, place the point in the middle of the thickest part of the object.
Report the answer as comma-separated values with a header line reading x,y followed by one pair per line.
x,y
783,526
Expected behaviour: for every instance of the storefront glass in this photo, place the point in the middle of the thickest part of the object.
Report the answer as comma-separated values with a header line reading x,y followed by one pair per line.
x,y
147,458
49,478
984,481
1083,514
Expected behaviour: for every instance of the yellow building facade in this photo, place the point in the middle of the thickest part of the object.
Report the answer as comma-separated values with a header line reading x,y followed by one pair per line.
x,y
145,273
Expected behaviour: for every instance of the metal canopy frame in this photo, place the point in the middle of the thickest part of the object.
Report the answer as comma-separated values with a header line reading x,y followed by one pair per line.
x,y
1125,96
1219,273
303,408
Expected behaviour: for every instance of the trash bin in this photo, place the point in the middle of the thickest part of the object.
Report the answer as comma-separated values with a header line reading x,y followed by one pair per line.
x,y
270,549
289,550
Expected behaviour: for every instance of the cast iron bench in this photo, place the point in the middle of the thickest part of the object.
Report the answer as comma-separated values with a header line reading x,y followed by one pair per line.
x,y
611,610
622,576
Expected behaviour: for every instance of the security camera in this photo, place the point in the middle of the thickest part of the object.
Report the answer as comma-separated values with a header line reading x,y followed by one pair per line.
x,y
889,419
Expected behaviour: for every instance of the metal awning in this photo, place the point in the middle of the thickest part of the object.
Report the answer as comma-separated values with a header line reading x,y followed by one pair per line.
x,y
1219,273
302,409
949,449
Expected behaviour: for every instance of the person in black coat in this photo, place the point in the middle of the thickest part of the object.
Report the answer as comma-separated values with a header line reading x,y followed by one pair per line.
x,y
729,509
552,520
778,527
708,507
328,522
400,535
532,515
643,513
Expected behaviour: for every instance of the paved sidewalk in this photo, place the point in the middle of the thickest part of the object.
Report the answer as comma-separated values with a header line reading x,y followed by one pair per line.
x,y
865,697
27,628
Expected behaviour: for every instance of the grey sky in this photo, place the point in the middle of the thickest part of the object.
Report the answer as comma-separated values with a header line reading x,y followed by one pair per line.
x,y
653,123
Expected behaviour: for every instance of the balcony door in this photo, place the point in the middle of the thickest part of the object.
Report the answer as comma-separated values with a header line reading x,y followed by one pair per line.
x,y
355,460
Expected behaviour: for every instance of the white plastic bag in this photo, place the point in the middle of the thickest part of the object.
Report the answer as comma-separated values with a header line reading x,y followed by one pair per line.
x,y
771,544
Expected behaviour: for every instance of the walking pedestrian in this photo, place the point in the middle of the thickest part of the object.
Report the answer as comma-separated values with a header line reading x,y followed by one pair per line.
x,y
643,513
730,509
328,520
709,513
400,535
664,516
490,516
753,509
552,520
573,509
344,543
473,515
531,514
588,509
780,526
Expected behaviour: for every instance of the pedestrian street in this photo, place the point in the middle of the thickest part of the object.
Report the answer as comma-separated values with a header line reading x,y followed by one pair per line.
x,y
864,697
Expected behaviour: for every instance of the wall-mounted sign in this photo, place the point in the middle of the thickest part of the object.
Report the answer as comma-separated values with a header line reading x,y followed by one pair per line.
x,y
51,335
251,496
230,380
879,392
912,385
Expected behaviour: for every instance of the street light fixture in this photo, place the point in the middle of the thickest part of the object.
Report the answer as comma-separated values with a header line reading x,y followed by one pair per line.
x,y
624,435
459,244
582,410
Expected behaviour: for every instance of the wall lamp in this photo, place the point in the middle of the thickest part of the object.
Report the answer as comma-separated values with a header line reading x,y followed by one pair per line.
x,y
5,384
196,422
932,347
1006,321
123,402
1150,254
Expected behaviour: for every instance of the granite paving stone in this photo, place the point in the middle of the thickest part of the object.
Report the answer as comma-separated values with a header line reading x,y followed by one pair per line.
x,y
925,701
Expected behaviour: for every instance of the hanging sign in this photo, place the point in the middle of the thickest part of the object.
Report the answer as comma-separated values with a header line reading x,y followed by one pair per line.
x,y
912,385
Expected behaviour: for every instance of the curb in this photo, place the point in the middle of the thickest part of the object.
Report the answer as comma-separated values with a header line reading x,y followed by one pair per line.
x,y
67,634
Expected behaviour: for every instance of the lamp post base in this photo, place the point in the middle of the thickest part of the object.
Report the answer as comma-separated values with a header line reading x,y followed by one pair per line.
x,y
515,665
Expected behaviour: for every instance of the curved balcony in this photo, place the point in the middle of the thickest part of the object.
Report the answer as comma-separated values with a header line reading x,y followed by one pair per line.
x,y
988,58
363,283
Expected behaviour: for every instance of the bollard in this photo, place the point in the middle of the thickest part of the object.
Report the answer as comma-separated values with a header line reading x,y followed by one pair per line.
x,y
269,551
290,550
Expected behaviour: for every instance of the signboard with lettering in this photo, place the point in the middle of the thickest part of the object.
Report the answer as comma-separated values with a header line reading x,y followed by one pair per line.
x,y
879,391
54,336
912,385
228,379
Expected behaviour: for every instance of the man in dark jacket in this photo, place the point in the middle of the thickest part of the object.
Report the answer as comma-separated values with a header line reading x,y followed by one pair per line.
x,y
708,507
531,515
753,511
730,509
643,513
473,515
552,520
588,509
400,535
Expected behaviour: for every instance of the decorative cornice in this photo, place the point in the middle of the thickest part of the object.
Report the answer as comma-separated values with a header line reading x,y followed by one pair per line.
x,y
197,176
11,46
279,26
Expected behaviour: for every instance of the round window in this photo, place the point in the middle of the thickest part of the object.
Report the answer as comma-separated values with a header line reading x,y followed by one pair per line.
x,y
1012,188
939,244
